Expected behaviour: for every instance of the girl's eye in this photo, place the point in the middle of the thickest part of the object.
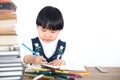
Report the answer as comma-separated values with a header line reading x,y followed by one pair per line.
x,y
43,30
53,31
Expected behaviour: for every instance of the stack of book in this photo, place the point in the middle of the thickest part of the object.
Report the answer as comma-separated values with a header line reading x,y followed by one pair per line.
x,y
10,62
8,20
11,67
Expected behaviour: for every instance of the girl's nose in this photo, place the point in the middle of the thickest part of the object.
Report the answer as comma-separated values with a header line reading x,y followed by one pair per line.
x,y
47,34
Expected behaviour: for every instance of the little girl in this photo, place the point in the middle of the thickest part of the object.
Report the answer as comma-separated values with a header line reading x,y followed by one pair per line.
x,y
46,47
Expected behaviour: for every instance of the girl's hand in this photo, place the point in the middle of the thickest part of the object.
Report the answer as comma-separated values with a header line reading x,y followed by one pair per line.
x,y
39,60
57,62
34,59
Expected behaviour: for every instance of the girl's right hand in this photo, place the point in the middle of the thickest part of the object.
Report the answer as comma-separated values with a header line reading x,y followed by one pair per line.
x,y
34,59
40,60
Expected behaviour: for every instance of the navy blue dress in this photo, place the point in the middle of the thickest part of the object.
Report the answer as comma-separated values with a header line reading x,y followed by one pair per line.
x,y
58,52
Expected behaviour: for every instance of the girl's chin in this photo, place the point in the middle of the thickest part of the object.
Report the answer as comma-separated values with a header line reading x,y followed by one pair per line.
x,y
47,41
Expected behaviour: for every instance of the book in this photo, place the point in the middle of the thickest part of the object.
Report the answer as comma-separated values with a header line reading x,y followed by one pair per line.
x,y
18,68
15,64
7,22
8,40
5,48
11,78
6,5
78,68
11,73
7,16
5,0
9,53
5,32
9,47
7,12
10,59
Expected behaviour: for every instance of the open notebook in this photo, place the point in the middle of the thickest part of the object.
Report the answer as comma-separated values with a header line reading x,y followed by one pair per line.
x,y
66,67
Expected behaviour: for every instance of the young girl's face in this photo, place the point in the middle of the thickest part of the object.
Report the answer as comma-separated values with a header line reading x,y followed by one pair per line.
x,y
47,35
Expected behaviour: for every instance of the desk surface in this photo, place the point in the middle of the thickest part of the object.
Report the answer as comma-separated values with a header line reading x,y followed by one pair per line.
x,y
112,74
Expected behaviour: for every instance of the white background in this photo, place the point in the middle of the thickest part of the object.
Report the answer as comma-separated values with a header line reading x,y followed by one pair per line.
x,y
92,27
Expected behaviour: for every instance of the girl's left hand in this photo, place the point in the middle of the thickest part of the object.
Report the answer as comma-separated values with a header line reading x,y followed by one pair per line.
x,y
57,62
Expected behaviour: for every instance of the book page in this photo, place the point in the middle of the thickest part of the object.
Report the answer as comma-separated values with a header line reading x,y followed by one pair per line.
x,y
79,68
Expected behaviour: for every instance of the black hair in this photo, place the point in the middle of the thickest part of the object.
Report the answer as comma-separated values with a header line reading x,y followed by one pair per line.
x,y
50,18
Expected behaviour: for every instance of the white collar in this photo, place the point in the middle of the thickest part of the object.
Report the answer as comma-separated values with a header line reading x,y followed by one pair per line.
x,y
49,48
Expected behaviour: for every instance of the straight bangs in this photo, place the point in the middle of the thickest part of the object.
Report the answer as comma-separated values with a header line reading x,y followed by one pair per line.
x,y
52,25
55,25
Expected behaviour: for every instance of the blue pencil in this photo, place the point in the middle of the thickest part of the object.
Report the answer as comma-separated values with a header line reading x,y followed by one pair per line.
x,y
30,49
